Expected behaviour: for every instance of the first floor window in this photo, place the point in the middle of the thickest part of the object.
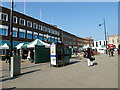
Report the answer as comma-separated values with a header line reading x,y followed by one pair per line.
x,y
40,37
52,39
35,36
56,40
22,35
3,31
14,34
29,36
45,38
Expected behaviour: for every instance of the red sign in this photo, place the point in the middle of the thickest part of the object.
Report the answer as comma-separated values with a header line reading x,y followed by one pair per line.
x,y
111,46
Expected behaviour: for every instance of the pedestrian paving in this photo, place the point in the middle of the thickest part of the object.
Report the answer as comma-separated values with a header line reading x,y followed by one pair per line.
x,y
104,74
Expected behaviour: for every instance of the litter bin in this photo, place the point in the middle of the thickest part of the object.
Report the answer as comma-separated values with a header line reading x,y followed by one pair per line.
x,y
15,66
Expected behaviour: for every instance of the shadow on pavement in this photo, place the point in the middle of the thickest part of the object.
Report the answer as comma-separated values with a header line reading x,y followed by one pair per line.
x,y
30,72
12,78
95,63
74,62
32,66
9,88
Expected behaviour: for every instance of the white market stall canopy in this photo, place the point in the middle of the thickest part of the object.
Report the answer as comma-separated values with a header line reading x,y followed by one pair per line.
x,y
4,46
19,45
35,42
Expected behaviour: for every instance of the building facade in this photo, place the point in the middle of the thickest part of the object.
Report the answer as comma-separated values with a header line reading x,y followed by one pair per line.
x,y
114,39
100,46
27,29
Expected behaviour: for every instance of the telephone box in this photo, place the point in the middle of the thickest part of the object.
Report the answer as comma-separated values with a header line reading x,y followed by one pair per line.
x,y
58,54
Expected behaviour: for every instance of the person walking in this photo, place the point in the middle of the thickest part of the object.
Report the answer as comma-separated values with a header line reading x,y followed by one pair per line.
x,y
112,52
7,56
31,56
89,54
109,51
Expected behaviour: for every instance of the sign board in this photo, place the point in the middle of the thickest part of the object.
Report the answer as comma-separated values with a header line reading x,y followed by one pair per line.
x,y
53,54
111,46
102,46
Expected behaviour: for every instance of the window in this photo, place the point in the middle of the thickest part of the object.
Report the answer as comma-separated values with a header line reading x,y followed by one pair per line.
x,y
53,40
22,21
14,19
3,16
52,31
44,38
56,39
15,30
22,33
117,40
40,27
113,40
29,34
35,25
3,31
45,28
100,42
96,44
29,24
35,35
40,36
48,30
58,33
49,38
93,44
104,43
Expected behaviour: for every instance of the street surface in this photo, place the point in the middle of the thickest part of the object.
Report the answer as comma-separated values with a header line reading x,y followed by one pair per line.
x,y
104,74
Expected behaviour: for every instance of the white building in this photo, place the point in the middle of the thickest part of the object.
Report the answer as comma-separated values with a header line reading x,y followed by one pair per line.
x,y
100,46
114,39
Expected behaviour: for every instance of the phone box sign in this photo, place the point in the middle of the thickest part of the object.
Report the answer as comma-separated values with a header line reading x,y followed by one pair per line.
x,y
53,54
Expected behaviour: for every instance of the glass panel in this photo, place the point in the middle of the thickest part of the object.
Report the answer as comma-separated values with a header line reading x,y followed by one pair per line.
x,y
3,32
35,37
14,34
22,35
40,37
29,36
45,38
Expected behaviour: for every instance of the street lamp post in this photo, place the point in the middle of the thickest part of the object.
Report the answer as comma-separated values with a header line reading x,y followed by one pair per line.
x,y
104,32
11,32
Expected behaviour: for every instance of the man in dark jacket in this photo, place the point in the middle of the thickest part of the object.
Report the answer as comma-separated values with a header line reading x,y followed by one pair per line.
x,y
89,53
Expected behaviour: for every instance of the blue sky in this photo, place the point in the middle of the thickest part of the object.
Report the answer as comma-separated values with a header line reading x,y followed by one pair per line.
x,y
79,18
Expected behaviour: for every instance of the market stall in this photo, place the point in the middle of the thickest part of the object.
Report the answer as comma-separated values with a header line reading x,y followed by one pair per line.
x,y
39,50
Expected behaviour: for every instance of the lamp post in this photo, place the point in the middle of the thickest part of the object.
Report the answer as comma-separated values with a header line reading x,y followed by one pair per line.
x,y
104,32
11,32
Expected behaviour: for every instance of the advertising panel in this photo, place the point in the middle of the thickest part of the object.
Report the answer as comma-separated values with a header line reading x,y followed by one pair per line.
x,y
53,54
